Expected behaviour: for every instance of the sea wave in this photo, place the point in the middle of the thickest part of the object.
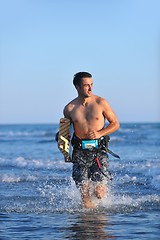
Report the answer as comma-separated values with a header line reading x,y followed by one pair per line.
x,y
21,162
13,178
12,134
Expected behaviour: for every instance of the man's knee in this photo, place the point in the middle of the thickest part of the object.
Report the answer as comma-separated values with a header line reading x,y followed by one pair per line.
x,y
100,191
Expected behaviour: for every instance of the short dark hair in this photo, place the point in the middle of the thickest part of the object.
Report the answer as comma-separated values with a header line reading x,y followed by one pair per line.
x,y
78,76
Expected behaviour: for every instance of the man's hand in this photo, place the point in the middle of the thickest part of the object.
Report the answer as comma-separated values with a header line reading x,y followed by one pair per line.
x,y
93,135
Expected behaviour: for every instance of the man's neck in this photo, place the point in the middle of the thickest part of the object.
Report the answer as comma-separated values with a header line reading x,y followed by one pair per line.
x,y
85,100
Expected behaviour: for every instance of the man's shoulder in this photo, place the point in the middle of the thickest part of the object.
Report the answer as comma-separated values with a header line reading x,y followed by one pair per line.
x,y
71,104
99,99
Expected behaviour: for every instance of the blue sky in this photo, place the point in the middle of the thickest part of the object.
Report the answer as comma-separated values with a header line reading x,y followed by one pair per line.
x,y
43,43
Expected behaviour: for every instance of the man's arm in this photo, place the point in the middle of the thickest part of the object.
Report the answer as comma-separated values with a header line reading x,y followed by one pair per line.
x,y
66,112
111,118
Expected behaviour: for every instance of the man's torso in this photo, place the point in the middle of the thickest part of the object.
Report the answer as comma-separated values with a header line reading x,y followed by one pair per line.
x,y
87,117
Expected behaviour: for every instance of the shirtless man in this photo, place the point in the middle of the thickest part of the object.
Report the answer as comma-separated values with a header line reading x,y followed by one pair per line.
x,y
88,113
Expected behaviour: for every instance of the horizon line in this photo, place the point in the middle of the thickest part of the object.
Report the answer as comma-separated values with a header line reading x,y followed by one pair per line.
x,y
50,123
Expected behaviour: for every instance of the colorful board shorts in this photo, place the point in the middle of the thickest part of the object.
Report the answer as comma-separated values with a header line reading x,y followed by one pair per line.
x,y
85,166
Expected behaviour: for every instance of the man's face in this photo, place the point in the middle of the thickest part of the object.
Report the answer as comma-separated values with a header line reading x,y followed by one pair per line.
x,y
85,89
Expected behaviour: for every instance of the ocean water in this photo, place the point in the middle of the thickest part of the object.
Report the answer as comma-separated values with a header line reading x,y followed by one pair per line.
x,y
39,200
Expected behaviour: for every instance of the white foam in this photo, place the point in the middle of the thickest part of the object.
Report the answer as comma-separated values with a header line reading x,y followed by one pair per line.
x,y
13,178
127,178
21,162
31,178
61,198
22,133
117,139
40,163
10,178
125,202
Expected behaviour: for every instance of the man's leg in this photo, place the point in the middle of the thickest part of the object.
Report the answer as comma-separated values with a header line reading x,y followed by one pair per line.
x,y
85,189
100,191
99,176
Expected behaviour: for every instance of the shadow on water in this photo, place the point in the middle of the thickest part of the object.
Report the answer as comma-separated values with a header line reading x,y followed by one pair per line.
x,y
89,225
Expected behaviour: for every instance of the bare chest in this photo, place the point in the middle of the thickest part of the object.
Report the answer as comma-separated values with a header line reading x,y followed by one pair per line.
x,y
87,113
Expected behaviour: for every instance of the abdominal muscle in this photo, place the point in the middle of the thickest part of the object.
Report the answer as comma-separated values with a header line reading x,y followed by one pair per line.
x,y
82,128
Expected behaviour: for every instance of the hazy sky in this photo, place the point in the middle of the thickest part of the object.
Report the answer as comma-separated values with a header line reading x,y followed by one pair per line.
x,y
43,43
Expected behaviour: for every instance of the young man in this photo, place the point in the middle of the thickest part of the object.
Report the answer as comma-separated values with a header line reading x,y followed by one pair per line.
x,y
88,113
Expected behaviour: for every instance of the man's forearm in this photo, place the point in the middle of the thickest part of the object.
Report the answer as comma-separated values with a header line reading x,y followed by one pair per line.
x,y
112,127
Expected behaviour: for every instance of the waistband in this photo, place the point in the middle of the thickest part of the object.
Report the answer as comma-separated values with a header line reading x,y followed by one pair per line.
x,y
89,144
102,144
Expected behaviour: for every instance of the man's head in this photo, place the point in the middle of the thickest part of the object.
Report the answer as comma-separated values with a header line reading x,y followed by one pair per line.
x,y
77,79
83,83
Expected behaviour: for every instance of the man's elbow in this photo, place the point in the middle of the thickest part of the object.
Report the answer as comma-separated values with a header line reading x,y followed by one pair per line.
x,y
117,125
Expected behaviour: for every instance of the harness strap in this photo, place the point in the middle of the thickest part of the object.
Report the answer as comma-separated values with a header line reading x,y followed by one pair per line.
x,y
98,162
113,154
